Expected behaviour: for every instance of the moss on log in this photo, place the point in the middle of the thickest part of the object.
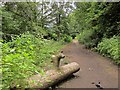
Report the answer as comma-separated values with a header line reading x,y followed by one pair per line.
x,y
52,77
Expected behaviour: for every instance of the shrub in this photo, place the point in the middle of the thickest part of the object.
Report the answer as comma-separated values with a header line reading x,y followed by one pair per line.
x,y
85,38
67,38
24,56
109,47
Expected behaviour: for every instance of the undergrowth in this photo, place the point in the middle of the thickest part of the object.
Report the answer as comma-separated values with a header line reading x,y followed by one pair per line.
x,y
110,48
25,56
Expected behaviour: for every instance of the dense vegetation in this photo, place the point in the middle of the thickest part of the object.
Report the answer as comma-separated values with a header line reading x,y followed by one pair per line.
x,y
26,56
99,27
110,48
29,38
33,31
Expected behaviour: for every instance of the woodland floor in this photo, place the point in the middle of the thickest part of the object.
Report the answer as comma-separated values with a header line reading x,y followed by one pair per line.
x,y
94,68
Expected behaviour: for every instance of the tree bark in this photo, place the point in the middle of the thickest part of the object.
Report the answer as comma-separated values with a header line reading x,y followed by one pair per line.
x,y
52,77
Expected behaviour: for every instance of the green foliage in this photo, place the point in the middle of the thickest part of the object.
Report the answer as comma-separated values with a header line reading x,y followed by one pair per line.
x,y
85,38
110,48
67,38
24,56
100,19
97,21
27,54
20,17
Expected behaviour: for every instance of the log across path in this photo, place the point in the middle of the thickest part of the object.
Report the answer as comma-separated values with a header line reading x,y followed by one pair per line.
x,y
95,68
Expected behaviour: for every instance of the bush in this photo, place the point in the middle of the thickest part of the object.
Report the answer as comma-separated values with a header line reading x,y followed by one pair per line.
x,y
24,56
67,38
109,47
85,38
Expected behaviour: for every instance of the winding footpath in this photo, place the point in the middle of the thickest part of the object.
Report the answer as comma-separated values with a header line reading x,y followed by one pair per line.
x,y
95,68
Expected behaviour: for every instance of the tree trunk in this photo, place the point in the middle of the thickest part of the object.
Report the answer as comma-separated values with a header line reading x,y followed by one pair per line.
x,y
52,77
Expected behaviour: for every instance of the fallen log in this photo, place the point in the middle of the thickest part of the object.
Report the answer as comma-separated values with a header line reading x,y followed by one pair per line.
x,y
52,77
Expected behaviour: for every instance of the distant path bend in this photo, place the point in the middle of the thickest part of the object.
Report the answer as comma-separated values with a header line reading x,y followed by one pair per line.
x,y
94,68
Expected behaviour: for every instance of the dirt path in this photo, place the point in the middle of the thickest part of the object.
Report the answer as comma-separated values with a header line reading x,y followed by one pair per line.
x,y
94,68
